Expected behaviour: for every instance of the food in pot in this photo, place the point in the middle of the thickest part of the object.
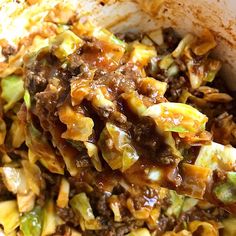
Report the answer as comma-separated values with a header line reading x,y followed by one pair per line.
x,y
127,134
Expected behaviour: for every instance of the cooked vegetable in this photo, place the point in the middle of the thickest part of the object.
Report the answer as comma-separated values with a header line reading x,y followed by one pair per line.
x,y
63,196
177,117
39,145
195,180
139,232
27,99
12,90
229,226
3,131
9,216
93,153
207,43
26,201
189,203
79,127
101,133
65,44
157,36
49,218
152,87
31,222
207,228
186,42
166,62
217,156
116,148
142,54
107,36
33,176
134,102
100,102
80,204
212,68
17,133
177,202
115,207
15,180
226,192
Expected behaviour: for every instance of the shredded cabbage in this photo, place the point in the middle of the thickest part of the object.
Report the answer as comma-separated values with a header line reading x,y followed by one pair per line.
x,y
177,202
186,42
12,90
116,148
31,222
65,44
26,202
9,216
63,196
142,54
79,127
229,226
217,156
80,204
15,180
226,192
49,218
93,153
139,232
134,102
177,117
38,144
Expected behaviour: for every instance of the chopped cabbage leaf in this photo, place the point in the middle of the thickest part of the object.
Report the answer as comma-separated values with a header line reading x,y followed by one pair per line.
x,y
105,35
31,222
49,219
12,90
99,101
157,36
166,62
14,179
152,87
115,207
186,42
205,44
189,203
3,131
195,180
207,228
80,204
38,144
9,216
180,233
93,154
212,68
134,102
79,127
217,156
27,99
116,148
142,54
63,196
177,117
17,133
33,176
65,44
26,201
229,226
177,202
226,192
139,232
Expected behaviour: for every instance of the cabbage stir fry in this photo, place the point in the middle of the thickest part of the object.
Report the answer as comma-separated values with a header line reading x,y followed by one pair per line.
x,y
104,134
